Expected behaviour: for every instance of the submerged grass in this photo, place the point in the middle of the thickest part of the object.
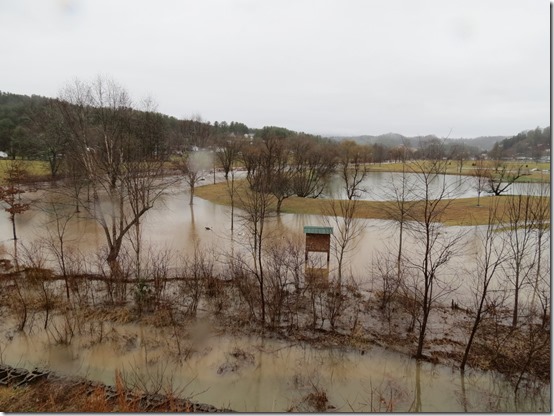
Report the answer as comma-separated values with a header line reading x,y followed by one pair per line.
x,y
462,211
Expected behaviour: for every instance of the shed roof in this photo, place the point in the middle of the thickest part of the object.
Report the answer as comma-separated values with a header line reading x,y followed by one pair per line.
x,y
311,229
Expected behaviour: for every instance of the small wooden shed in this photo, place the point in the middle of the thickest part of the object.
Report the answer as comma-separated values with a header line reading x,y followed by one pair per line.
x,y
318,239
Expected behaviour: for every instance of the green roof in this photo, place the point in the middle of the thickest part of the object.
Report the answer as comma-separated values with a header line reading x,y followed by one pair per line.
x,y
310,229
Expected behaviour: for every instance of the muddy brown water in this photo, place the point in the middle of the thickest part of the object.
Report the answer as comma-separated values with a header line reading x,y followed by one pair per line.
x,y
255,374
176,226
250,373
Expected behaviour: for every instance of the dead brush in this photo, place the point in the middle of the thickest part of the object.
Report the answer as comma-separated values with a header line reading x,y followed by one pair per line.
x,y
217,294
126,403
96,402
61,333
161,317
315,401
136,384
385,398
115,314
318,399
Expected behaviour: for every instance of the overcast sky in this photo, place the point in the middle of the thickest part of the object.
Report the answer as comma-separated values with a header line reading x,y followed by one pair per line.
x,y
339,67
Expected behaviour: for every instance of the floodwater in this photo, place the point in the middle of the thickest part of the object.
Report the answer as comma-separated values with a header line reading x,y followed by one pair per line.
x,y
179,228
253,374
268,374
376,186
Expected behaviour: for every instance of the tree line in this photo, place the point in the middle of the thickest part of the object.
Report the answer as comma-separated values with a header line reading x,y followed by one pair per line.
x,y
23,134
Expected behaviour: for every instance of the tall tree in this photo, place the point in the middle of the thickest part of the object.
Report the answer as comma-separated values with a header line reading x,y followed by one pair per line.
x,y
353,169
126,178
398,206
49,128
312,162
519,240
257,202
193,166
347,228
227,153
434,247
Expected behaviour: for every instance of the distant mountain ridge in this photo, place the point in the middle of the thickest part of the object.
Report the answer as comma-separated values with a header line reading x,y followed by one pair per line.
x,y
484,143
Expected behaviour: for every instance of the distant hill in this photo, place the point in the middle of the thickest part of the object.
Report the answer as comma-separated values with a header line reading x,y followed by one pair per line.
x,y
530,143
483,143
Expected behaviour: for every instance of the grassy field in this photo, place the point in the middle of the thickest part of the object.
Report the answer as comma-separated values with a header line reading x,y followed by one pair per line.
x,y
463,211
34,168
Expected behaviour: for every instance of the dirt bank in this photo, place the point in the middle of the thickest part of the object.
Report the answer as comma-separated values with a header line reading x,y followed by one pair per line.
x,y
44,391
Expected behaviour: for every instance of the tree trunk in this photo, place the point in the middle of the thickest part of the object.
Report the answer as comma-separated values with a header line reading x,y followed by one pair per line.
x,y
516,302
473,332
261,273
115,271
191,194
13,226
279,203
419,353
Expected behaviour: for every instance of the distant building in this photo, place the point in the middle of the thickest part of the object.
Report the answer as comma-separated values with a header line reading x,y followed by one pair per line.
x,y
3,155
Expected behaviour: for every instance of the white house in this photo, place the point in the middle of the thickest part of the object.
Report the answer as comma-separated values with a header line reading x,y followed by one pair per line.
x,y
3,155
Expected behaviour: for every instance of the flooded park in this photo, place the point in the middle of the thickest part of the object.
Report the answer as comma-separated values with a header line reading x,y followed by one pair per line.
x,y
257,372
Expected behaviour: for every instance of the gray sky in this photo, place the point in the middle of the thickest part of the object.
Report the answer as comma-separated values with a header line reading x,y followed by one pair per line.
x,y
340,67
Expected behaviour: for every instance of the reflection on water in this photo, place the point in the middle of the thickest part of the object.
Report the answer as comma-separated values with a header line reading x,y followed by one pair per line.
x,y
254,374
377,186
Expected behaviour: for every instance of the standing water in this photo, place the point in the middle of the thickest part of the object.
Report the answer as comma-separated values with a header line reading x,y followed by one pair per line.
x,y
252,374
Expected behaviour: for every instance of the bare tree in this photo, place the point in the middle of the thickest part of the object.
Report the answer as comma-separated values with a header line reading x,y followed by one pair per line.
x,y
353,169
125,178
398,207
257,201
435,247
481,174
312,164
55,240
277,170
489,257
231,191
250,155
540,212
195,131
347,228
193,165
519,239
342,216
459,152
38,275
499,180
50,129
282,258
228,152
